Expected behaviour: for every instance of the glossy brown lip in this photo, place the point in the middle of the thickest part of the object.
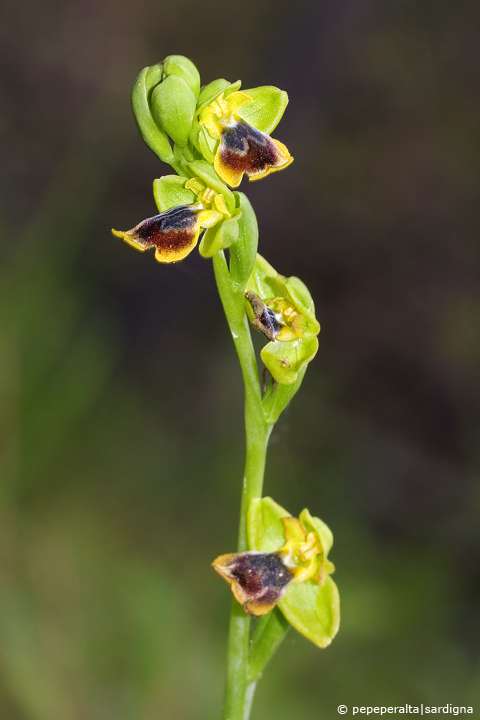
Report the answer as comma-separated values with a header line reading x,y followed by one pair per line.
x,y
244,149
258,580
172,231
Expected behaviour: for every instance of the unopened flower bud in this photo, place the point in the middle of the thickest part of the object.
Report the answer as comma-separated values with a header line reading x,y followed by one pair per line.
x,y
182,67
173,105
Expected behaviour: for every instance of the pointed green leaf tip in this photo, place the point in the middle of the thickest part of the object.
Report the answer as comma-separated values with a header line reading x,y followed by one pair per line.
x,y
311,607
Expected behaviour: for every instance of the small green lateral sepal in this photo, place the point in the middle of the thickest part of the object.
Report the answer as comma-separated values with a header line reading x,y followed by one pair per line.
x,y
313,610
266,108
265,526
284,361
170,191
213,90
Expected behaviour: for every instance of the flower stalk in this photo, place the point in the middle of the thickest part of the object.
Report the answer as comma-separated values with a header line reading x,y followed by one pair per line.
x,y
239,691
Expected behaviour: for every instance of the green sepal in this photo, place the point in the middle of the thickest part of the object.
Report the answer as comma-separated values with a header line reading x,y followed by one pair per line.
x,y
244,251
203,170
173,106
210,92
219,237
278,395
284,360
233,87
182,67
169,192
266,109
312,609
269,632
265,526
154,136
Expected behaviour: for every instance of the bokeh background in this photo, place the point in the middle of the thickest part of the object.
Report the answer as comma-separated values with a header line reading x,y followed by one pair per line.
x,y
121,404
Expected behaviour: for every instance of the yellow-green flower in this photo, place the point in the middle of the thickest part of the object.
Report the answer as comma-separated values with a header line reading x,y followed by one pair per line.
x,y
283,310
189,206
242,148
233,130
287,565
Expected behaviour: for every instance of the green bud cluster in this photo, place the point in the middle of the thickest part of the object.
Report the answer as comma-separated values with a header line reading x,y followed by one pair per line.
x,y
174,100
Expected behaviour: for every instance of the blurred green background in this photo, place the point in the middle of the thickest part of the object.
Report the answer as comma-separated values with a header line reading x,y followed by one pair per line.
x,y
121,403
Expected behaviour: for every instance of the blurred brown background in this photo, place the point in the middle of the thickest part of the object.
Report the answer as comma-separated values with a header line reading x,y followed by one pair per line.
x,y
121,408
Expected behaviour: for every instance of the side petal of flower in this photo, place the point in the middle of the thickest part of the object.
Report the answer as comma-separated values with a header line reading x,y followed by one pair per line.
x,y
266,108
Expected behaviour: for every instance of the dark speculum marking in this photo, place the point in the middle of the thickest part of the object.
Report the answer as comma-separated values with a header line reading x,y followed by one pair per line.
x,y
261,575
171,231
245,149
270,326
265,319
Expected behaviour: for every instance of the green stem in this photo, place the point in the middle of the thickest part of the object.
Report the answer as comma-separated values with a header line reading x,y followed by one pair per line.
x,y
239,692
